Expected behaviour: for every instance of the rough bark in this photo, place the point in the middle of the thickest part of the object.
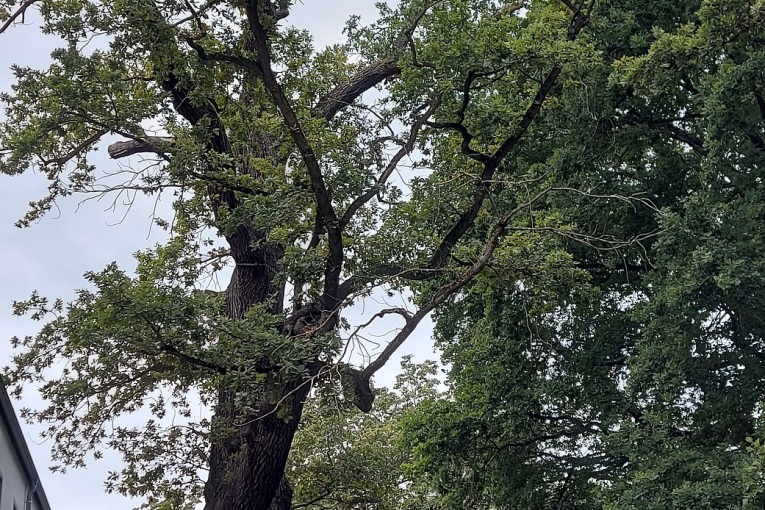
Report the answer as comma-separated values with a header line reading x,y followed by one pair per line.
x,y
346,93
249,454
247,466
126,148
248,458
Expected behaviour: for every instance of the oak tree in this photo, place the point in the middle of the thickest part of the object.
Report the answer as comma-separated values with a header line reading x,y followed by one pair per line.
x,y
585,378
410,159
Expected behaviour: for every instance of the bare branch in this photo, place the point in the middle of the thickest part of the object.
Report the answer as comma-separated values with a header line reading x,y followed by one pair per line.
x,y
345,94
21,11
219,141
379,315
440,297
459,126
392,164
128,148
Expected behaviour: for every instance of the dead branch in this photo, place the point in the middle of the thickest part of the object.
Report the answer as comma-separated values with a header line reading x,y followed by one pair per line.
x,y
128,148
346,93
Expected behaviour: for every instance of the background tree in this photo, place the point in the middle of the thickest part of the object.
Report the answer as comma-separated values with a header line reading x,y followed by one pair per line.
x,y
343,458
280,165
591,378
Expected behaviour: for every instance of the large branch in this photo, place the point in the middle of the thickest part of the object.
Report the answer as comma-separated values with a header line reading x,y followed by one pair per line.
x,y
127,148
337,99
466,220
346,93
468,217
441,254
219,141
449,289
372,75
328,106
446,291
334,263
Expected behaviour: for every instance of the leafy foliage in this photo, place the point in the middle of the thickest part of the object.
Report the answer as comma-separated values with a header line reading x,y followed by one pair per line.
x,y
573,188
625,379
343,458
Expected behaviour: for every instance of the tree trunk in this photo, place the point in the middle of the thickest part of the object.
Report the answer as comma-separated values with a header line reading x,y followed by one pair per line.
x,y
247,468
249,452
283,497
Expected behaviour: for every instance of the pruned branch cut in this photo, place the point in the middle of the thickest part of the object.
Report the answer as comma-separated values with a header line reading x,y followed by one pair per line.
x,y
127,148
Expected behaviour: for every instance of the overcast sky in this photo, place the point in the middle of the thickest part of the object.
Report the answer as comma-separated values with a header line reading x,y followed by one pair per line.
x,y
52,255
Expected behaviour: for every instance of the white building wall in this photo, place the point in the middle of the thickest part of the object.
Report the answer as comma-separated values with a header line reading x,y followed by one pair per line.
x,y
14,482
17,472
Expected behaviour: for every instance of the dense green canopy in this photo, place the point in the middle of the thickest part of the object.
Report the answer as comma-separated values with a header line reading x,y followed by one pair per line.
x,y
625,379
573,188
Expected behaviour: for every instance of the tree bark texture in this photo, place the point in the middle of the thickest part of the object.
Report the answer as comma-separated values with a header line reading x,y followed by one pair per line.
x,y
246,467
249,451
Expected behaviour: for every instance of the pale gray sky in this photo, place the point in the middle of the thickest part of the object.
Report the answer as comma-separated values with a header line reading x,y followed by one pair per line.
x,y
52,255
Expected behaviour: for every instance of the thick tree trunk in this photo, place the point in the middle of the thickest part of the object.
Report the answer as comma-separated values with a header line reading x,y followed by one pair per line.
x,y
283,497
249,451
247,468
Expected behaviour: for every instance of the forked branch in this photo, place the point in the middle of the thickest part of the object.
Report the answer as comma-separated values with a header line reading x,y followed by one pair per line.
x,y
445,292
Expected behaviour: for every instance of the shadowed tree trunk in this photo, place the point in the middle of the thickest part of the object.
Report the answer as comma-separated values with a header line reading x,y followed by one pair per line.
x,y
250,452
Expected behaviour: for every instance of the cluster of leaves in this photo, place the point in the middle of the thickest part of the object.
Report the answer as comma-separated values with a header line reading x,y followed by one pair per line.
x,y
343,458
